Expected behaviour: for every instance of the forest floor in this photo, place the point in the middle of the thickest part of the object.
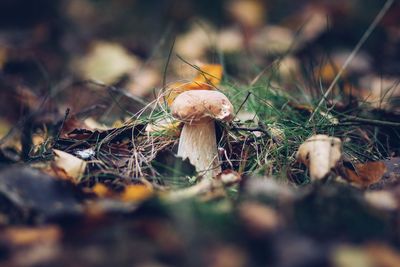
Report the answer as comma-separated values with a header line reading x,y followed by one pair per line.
x,y
89,172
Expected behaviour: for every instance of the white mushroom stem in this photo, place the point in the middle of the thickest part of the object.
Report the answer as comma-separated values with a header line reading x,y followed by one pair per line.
x,y
198,143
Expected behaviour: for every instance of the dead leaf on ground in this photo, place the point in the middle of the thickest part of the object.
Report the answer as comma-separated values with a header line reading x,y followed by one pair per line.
x,y
106,62
249,13
26,236
144,81
381,199
101,190
230,40
383,255
381,92
350,256
73,166
273,40
364,174
259,218
28,192
137,193
194,44
320,153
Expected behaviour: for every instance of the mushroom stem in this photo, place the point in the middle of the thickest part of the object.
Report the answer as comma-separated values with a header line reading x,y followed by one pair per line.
x,y
198,143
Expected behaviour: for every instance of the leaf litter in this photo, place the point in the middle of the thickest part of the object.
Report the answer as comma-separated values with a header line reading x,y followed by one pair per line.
x,y
101,185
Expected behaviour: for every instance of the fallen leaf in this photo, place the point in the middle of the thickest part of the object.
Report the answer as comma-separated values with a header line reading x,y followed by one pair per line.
x,y
26,236
380,92
381,199
5,126
73,166
208,77
349,256
28,192
3,56
320,153
193,44
259,218
101,190
273,40
230,40
364,174
288,67
137,193
383,256
144,81
92,124
249,13
106,62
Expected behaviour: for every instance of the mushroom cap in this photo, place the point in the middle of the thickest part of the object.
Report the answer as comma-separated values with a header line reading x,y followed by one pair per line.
x,y
196,105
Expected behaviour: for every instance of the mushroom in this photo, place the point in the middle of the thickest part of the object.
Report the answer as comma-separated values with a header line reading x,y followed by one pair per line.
x,y
320,153
199,109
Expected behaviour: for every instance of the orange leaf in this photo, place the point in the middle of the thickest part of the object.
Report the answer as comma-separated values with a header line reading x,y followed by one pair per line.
x,y
101,190
208,77
25,236
365,174
136,193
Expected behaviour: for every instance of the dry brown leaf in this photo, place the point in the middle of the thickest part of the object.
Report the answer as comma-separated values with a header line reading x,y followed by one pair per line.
x,y
320,153
73,166
365,174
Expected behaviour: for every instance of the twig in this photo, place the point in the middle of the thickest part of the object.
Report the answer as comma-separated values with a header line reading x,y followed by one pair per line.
x,y
371,121
365,36
250,129
57,137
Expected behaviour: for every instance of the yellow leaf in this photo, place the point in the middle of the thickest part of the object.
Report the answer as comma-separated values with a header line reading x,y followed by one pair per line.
x,y
136,193
101,190
27,236
208,77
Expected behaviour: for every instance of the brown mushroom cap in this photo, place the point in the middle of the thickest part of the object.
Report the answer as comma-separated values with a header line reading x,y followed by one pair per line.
x,y
197,105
